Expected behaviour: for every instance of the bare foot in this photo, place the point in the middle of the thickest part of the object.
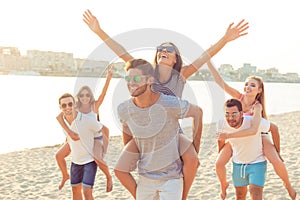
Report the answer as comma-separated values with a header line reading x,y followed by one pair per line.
x,y
109,184
292,193
63,180
224,193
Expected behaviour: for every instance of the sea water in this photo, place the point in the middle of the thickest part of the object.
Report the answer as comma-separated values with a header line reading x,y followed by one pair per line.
x,y
29,105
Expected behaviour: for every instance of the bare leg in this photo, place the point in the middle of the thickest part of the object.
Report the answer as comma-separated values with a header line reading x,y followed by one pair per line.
x,y
76,192
60,156
223,158
241,193
100,150
88,193
279,167
126,163
105,132
104,168
256,192
190,163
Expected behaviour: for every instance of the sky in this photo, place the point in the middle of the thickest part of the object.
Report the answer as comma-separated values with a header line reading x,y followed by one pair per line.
x,y
272,41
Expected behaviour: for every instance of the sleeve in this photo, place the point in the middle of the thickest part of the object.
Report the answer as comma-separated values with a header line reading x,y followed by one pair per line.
x,y
121,113
264,125
182,107
95,125
220,125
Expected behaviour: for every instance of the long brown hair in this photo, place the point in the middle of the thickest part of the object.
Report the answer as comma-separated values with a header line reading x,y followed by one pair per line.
x,y
178,65
260,97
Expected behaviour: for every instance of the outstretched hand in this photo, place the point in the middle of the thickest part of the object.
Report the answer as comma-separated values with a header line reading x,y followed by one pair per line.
x,y
91,21
237,31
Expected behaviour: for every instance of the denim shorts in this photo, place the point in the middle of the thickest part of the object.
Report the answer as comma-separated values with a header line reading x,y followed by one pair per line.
x,y
245,174
83,174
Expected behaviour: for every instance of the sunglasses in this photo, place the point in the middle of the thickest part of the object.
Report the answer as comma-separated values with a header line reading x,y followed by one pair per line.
x,y
169,49
64,105
136,78
233,115
86,95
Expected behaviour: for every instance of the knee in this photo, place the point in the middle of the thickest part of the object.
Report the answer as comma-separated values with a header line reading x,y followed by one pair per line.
x,y
87,193
255,192
191,163
273,127
276,161
105,130
220,164
118,173
59,156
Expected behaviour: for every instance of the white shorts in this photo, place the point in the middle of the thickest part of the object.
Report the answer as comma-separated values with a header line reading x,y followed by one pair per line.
x,y
149,189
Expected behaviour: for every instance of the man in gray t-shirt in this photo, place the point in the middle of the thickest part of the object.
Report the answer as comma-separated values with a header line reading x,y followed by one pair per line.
x,y
151,119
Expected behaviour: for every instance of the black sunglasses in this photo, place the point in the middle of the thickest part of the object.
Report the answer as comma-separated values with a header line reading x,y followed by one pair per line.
x,y
64,105
169,49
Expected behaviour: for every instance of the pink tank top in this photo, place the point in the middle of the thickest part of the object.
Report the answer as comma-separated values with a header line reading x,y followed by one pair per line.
x,y
252,108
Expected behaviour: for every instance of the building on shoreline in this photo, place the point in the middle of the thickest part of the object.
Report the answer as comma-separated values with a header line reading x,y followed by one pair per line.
x,y
49,63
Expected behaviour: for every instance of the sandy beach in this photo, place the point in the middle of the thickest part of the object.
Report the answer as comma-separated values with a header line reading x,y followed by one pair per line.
x,y
33,173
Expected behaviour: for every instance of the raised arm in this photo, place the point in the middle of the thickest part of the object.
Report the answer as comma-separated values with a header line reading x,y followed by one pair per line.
x,y
219,80
100,99
196,113
72,134
93,24
252,130
232,33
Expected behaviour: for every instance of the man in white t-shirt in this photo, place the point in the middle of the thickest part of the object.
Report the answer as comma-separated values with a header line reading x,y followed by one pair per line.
x,y
83,167
249,163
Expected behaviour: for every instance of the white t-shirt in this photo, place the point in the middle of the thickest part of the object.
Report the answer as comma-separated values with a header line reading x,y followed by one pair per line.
x,y
87,128
246,150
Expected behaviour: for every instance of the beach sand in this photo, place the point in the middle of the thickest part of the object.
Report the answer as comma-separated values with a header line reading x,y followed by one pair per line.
x,y
34,174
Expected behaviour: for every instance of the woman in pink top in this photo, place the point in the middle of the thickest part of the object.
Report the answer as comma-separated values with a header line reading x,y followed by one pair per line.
x,y
253,102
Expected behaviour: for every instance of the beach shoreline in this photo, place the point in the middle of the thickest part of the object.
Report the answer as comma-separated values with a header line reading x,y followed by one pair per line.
x,y
34,174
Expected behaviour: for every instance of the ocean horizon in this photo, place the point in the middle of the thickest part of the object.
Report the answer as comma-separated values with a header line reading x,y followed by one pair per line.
x,y
30,105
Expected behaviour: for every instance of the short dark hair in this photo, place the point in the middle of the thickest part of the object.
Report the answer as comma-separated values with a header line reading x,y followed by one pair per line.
x,y
141,64
234,102
66,95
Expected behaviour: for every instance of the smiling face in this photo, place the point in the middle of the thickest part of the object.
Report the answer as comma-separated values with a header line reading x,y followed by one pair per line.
x,y
67,105
166,55
252,87
233,116
84,96
137,83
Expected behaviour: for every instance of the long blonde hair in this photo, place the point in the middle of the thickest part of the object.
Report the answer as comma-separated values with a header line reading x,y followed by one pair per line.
x,y
92,99
260,97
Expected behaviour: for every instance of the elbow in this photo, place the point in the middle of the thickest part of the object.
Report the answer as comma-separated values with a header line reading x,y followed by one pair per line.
x,y
200,111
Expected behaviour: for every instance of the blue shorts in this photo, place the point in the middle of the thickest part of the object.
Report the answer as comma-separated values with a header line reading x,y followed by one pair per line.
x,y
246,174
84,174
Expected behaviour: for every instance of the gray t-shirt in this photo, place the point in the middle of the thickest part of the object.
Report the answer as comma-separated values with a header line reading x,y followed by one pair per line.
x,y
155,130
174,86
